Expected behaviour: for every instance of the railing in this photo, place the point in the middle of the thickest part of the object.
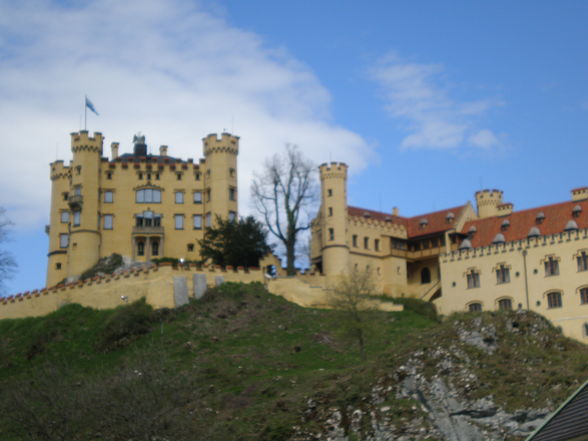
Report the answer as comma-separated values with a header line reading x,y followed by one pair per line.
x,y
75,200
431,290
148,230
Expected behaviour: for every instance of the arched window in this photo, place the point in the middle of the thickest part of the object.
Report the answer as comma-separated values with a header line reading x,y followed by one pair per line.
x,y
505,304
475,307
554,300
425,275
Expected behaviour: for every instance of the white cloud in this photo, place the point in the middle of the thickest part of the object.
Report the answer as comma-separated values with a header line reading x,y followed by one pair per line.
x,y
170,68
413,94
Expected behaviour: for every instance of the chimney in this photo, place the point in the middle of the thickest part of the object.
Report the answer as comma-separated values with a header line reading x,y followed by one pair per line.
x,y
579,194
163,150
394,211
114,150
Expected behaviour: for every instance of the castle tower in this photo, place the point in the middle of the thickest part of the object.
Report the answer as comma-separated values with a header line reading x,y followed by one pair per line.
x,y
83,201
335,250
488,202
59,224
220,177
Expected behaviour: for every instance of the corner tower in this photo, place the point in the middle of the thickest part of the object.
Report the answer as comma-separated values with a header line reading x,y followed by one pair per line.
x,y
58,228
83,201
488,202
335,250
220,178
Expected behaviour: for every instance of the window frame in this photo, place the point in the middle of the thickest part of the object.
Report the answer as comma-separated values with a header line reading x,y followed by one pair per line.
x,y
551,266
504,304
179,221
473,278
108,194
105,224
63,240
194,224
64,213
472,307
197,197
179,197
554,299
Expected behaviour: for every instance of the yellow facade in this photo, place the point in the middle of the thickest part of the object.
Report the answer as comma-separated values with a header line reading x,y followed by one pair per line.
x,y
138,205
463,259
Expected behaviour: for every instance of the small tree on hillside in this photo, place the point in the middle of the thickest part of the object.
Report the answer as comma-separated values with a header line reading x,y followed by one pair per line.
x,y
283,192
352,297
241,242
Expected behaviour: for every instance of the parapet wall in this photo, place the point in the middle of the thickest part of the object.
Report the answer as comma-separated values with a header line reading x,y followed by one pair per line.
x,y
155,283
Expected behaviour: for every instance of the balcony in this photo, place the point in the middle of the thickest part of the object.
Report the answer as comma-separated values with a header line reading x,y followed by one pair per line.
x,y
75,201
148,231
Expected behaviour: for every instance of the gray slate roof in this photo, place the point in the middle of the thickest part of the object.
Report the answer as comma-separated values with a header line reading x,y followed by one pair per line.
x,y
569,422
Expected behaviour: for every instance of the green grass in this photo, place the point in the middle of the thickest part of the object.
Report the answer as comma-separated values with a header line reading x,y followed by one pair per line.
x,y
242,363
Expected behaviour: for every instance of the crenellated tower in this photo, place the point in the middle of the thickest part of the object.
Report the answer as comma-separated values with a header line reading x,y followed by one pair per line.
x,y
58,229
83,201
488,202
220,178
335,249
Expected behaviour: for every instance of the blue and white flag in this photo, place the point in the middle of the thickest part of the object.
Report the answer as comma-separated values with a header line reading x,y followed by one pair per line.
x,y
90,106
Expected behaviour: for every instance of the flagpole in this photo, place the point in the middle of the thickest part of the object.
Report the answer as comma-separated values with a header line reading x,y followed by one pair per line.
x,y
85,114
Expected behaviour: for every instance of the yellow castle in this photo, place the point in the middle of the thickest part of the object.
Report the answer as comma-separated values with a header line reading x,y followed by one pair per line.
x,y
137,204
461,258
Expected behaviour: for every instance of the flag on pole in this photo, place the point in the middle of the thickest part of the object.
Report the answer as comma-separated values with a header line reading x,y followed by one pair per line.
x,y
90,106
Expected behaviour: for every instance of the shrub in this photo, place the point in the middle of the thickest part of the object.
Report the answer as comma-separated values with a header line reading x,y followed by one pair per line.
x,y
421,307
125,325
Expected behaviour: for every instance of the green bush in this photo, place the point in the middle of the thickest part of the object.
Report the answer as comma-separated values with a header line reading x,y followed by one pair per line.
x,y
421,307
125,325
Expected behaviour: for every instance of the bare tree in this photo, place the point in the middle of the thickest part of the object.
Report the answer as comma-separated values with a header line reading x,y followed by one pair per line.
x,y
283,193
352,296
7,263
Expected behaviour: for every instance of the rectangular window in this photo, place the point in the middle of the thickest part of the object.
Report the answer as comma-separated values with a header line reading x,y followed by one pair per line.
x,y
179,176
109,175
208,196
197,219
354,240
473,279
232,194
232,216
377,244
330,211
331,234
197,176
503,274
330,192
63,240
551,266
76,218
108,221
208,220
584,296
78,190
366,243
582,261
190,247
179,221
179,197
108,196
64,217
197,197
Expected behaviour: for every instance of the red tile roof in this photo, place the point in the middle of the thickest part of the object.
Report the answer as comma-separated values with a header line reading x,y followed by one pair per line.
x,y
436,221
556,218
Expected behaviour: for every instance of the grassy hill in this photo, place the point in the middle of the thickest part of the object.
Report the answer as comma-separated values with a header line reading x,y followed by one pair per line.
x,y
242,364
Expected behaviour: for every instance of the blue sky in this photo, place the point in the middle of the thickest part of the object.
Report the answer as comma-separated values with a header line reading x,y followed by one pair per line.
x,y
427,101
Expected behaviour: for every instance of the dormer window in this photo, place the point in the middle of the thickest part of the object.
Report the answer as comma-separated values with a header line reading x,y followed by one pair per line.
x,y
498,239
576,211
505,224
534,232
366,214
571,226
540,217
472,230
466,244
423,222
450,217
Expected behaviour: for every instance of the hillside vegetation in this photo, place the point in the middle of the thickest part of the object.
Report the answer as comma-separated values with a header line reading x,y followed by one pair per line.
x,y
242,364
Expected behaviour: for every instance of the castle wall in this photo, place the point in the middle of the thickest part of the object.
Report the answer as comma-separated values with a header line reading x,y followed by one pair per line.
x,y
154,283
529,284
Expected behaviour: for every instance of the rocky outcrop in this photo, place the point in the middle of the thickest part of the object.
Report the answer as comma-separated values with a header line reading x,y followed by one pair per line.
x,y
432,394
